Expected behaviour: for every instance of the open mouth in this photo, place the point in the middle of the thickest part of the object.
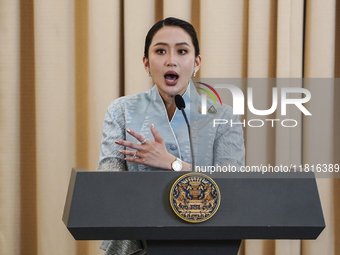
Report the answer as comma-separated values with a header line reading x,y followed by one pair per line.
x,y
171,78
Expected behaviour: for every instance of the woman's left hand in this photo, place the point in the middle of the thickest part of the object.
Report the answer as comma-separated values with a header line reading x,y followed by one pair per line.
x,y
153,154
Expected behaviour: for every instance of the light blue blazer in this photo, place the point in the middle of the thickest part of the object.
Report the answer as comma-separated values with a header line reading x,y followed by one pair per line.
x,y
220,145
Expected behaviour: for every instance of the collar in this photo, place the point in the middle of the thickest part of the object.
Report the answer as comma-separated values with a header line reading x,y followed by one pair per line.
x,y
190,97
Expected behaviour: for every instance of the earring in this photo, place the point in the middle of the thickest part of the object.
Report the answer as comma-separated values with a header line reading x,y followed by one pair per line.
x,y
149,74
195,73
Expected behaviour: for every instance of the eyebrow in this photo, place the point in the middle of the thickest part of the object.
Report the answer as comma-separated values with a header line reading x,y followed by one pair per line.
x,y
166,44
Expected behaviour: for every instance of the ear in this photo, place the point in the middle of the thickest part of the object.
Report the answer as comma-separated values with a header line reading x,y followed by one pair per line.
x,y
197,63
146,64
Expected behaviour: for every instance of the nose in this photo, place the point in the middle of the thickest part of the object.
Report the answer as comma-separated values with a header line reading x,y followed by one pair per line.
x,y
171,61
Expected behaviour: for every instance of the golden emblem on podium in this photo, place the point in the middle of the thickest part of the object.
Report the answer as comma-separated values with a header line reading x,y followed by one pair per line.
x,y
195,197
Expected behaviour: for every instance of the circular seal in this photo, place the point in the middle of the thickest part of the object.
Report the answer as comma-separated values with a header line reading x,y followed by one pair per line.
x,y
195,197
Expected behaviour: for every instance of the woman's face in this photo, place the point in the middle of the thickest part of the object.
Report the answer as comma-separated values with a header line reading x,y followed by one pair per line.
x,y
171,61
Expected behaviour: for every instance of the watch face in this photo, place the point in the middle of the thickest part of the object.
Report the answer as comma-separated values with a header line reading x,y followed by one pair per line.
x,y
176,166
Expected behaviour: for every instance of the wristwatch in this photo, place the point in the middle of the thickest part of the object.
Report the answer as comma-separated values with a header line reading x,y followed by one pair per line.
x,y
177,165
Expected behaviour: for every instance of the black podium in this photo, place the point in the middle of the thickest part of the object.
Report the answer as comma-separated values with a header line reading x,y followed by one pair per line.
x,y
135,205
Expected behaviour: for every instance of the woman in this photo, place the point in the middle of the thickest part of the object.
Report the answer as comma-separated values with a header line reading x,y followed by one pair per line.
x,y
144,132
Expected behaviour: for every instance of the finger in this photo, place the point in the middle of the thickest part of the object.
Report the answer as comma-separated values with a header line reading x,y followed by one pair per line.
x,y
135,160
128,144
127,152
155,134
136,135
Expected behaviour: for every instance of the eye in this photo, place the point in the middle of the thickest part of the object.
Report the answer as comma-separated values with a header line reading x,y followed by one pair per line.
x,y
182,52
160,51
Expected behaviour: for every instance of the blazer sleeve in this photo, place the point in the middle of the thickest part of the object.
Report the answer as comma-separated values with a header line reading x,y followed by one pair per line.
x,y
229,145
113,128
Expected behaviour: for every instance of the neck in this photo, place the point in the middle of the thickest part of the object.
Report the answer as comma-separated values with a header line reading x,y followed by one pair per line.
x,y
170,106
169,102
